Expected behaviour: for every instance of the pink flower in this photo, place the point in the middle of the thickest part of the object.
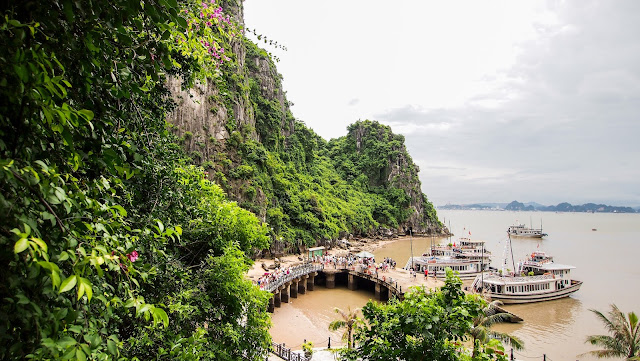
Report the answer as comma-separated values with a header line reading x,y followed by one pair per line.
x,y
133,256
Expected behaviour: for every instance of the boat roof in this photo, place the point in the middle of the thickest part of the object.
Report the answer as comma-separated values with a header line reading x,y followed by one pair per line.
x,y
471,241
551,266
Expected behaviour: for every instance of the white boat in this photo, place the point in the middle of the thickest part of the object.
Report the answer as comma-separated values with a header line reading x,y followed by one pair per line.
x,y
468,258
537,279
521,230
437,265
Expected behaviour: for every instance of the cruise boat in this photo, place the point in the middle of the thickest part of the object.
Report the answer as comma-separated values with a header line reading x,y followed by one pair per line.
x,y
523,231
464,249
437,265
468,258
537,279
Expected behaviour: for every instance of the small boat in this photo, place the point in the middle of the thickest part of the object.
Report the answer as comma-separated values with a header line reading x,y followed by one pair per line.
x,y
537,279
521,230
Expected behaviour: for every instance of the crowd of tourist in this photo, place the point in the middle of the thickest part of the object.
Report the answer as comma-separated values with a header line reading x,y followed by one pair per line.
x,y
366,265
273,276
355,262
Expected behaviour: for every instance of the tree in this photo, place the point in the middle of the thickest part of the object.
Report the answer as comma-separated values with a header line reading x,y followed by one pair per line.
x,y
481,332
112,245
624,338
423,326
349,322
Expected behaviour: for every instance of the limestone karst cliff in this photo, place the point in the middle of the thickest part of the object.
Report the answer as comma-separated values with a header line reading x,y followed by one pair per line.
x,y
239,127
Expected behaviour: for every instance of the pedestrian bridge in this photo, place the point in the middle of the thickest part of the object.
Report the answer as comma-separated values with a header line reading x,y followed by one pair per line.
x,y
304,278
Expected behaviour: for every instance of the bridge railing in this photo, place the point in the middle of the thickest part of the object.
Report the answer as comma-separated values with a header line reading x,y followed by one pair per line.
x,y
294,273
285,353
388,282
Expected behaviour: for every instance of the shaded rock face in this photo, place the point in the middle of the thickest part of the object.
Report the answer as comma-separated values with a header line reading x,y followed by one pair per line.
x,y
212,119
211,112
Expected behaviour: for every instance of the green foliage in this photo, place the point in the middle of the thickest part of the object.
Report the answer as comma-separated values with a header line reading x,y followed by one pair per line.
x,y
113,245
624,337
481,333
350,321
366,158
307,347
424,326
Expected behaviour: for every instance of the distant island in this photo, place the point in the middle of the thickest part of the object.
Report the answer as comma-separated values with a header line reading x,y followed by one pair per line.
x,y
532,206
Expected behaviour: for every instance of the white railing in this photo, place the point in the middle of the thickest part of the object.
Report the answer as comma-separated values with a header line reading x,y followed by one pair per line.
x,y
522,279
294,273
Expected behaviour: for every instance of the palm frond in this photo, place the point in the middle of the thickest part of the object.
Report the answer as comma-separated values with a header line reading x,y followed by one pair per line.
x,y
514,341
496,318
336,325
624,337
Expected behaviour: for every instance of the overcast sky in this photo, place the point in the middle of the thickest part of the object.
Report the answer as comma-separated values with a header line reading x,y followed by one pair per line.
x,y
498,100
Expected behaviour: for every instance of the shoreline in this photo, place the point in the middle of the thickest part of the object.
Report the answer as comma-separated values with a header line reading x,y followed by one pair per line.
x,y
363,244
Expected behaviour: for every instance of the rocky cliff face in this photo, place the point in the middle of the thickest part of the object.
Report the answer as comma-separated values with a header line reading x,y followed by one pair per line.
x,y
212,119
374,150
240,129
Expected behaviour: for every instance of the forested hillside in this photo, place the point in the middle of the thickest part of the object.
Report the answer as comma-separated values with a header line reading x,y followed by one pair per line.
x,y
118,236
242,131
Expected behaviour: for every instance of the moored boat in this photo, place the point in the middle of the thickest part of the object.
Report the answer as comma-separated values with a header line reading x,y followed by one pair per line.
x,y
538,279
437,265
467,258
521,230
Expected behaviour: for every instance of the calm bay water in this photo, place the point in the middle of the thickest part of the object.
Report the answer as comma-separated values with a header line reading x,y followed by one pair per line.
x,y
605,259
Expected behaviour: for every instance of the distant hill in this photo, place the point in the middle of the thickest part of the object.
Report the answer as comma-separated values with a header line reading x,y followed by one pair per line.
x,y
533,206
587,207
517,206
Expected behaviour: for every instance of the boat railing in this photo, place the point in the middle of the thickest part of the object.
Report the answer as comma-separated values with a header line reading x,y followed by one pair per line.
x,y
522,279
536,263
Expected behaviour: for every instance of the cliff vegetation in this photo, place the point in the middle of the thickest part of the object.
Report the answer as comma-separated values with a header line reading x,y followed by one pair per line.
x,y
309,191
124,236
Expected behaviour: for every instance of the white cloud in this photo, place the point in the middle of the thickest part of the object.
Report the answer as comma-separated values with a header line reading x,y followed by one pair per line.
x,y
497,100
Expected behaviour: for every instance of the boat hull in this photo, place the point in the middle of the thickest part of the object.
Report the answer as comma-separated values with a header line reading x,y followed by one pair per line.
x,y
538,297
528,235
